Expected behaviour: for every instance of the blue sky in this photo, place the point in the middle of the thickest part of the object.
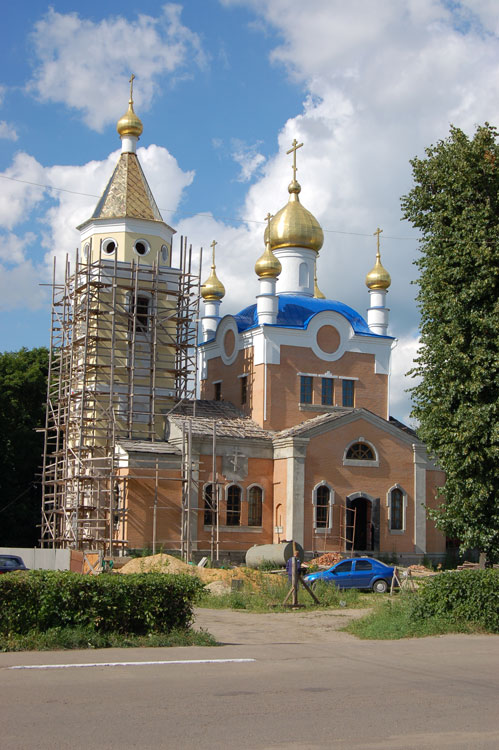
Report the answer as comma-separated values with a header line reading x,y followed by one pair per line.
x,y
223,87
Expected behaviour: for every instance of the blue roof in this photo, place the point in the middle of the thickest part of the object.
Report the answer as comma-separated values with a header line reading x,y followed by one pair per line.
x,y
297,312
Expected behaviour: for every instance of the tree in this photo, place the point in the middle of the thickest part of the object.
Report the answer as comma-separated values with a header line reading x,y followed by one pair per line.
x,y
455,204
23,388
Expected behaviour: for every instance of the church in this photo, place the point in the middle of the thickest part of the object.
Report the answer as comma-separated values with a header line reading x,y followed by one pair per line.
x,y
267,424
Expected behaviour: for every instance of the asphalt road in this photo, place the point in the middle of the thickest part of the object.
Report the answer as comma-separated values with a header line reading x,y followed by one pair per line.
x,y
305,685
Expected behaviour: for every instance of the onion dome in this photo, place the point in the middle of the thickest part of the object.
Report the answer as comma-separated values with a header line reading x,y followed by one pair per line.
x,y
294,226
317,292
130,124
378,277
213,290
267,265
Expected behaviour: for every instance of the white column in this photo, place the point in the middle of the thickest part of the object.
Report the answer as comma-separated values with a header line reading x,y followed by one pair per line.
x,y
420,464
267,302
377,313
297,275
128,144
210,319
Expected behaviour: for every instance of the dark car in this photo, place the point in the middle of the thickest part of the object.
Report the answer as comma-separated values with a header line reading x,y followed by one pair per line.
x,y
358,573
9,563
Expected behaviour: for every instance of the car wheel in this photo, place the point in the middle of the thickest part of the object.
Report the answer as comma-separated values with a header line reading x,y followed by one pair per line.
x,y
380,587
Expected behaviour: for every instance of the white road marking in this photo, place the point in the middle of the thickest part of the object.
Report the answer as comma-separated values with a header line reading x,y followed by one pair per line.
x,y
130,663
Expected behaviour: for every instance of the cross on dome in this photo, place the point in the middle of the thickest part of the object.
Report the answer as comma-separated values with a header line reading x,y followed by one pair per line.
x,y
294,148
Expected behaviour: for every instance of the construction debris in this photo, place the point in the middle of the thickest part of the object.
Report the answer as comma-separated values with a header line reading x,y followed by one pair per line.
x,y
327,559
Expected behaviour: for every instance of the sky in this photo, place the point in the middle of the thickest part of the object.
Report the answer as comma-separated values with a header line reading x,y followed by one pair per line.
x,y
222,88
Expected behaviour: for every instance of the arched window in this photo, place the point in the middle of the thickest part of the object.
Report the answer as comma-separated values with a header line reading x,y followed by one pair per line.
x,y
255,498
396,504
210,506
303,277
360,452
233,505
323,510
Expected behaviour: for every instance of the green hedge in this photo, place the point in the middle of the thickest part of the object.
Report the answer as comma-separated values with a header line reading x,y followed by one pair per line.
x,y
468,596
140,603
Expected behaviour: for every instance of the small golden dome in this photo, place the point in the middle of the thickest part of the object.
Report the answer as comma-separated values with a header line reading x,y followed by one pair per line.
x,y
213,290
130,124
267,265
378,277
294,226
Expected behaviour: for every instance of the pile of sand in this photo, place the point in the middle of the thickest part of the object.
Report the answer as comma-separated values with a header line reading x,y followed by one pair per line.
x,y
163,563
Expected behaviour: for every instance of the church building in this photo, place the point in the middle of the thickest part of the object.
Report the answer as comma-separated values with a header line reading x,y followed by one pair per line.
x,y
291,438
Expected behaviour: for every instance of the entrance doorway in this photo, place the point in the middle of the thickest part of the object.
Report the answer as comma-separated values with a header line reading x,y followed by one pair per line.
x,y
366,532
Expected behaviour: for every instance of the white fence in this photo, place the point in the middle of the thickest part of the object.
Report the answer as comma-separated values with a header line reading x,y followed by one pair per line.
x,y
45,559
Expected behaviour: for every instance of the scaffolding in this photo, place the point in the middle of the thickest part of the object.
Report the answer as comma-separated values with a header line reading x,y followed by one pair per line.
x,y
122,355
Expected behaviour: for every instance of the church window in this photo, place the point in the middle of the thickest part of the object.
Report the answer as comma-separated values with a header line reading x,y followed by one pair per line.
x,y
303,275
360,452
306,389
109,246
244,389
210,506
233,505
396,503
327,391
141,247
164,253
348,392
255,498
217,393
86,251
323,511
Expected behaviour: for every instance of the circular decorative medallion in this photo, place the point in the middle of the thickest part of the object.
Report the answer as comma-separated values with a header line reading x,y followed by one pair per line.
x,y
328,339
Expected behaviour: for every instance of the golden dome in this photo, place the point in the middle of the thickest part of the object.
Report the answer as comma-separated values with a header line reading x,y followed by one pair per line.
x,y
294,226
130,124
267,265
378,277
213,290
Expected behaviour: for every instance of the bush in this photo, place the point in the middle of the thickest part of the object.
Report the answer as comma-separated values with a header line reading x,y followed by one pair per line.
x,y
467,596
140,603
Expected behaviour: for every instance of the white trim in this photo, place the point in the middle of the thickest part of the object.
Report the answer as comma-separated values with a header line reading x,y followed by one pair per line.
x,y
404,509
360,462
244,375
105,243
328,528
214,382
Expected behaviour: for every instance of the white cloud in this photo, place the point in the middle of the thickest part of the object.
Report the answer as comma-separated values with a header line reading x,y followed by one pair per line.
x,y
403,355
248,158
12,247
72,52
20,287
7,131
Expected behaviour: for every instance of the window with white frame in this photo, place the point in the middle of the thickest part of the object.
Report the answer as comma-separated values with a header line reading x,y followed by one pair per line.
x,y
360,452
397,503
255,503
323,507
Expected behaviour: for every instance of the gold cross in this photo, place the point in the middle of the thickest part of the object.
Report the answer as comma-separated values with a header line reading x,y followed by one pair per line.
x,y
213,245
378,232
131,88
267,219
294,148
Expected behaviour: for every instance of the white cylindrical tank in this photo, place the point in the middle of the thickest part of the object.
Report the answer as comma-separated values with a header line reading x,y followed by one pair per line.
x,y
278,554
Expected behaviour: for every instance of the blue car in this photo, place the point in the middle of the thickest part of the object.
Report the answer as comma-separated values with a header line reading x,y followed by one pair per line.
x,y
358,573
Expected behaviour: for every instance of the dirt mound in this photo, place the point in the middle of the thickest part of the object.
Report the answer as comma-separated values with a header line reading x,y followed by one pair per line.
x,y
163,563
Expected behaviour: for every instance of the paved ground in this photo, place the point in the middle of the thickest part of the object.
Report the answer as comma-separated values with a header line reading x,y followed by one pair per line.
x,y
305,686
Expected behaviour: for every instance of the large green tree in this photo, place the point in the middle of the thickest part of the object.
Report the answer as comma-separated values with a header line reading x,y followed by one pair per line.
x,y
23,386
455,205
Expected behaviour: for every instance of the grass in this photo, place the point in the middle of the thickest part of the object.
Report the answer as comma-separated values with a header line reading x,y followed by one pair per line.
x,y
270,593
392,619
57,639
